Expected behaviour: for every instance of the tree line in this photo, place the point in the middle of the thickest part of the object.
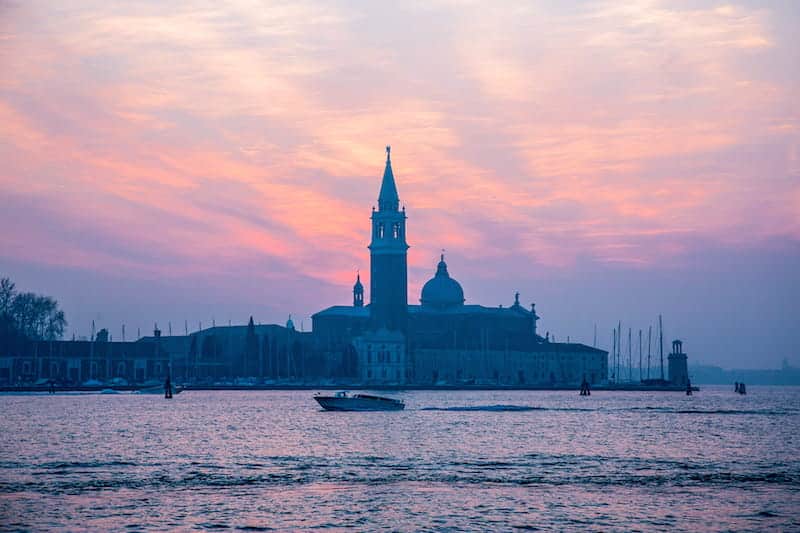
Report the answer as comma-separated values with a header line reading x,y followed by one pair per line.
x,y
26,315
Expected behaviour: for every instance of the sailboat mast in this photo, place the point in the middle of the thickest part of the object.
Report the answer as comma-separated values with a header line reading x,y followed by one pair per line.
x,y
630,362
649,343
619,349
613,354
661,345
640,355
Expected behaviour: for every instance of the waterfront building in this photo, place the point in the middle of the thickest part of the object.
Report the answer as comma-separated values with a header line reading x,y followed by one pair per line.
x,y
77,362
442,340
219,354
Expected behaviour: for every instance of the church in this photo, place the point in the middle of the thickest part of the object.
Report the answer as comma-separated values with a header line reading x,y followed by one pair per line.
x,y
442,340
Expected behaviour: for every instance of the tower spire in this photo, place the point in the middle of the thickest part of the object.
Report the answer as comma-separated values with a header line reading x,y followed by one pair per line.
x,y
388,199
358,291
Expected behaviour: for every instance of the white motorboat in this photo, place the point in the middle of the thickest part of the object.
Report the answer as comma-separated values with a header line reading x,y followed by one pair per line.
x,y
343,401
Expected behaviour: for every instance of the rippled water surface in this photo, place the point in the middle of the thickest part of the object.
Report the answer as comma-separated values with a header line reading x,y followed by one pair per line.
x,y
452,460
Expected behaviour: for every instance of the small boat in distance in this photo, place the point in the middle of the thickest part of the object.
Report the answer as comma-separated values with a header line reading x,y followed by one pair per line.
x,y
158,389
342,401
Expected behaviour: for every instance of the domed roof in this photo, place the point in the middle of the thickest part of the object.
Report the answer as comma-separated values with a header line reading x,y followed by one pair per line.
x,y
442,291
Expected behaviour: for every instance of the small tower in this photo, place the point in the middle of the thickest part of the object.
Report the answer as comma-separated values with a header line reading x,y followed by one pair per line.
x,y
678,370
358,292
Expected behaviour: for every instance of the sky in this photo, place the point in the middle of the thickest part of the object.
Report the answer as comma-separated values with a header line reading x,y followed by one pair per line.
x,y
187,162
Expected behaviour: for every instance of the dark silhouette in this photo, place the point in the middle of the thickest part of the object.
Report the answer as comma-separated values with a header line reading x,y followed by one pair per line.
x,y
742,388
585,390
28,315
168,389
688,387
736,387
250,363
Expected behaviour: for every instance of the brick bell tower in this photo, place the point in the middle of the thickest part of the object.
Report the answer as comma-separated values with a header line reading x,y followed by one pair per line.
x,y
388,258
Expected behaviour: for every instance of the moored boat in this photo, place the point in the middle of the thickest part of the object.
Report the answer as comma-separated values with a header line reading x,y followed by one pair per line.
x,y
343,401
158,389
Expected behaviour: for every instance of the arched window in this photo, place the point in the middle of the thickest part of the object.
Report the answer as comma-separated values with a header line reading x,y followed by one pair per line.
x,y
396,230
381,229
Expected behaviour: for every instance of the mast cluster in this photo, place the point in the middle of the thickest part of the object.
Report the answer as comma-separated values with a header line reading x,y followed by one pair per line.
x,y
617,364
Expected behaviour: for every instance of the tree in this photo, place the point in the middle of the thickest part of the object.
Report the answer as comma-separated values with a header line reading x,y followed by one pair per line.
x,y
6,295
30,315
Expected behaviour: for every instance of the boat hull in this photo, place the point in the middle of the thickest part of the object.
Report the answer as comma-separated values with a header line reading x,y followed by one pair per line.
x,y
330,403
159,389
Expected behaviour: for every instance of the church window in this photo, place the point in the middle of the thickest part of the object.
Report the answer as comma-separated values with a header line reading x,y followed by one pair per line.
x,y
380,230
396,230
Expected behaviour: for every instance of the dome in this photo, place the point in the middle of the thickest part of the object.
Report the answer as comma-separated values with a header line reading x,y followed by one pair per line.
x,y
442,291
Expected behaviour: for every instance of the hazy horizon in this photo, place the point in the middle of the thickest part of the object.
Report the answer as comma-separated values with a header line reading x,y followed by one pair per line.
x,y
610,163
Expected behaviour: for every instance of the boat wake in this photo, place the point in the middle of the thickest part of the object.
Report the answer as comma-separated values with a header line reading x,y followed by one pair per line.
x,y
486,408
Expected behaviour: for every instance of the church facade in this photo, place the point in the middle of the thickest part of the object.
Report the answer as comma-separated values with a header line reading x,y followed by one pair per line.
x,y
442,340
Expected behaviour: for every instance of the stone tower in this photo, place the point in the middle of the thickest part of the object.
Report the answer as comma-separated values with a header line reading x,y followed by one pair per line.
x,y
678,370
358,292
388,289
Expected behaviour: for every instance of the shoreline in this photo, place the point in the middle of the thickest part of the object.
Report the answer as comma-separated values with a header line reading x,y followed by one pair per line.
x,y
354,386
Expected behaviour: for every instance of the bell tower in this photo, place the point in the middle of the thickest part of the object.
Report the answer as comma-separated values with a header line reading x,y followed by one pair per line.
x,y
388,257
358,292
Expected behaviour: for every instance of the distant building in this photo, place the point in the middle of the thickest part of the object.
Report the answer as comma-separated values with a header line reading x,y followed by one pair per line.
x,y
77,362
677,368
215,354
442,340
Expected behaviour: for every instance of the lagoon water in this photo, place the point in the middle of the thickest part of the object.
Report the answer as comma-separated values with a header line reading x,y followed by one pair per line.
x,y
487,460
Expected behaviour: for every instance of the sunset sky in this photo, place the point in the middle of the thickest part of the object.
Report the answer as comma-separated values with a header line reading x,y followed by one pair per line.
x,y
608,160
